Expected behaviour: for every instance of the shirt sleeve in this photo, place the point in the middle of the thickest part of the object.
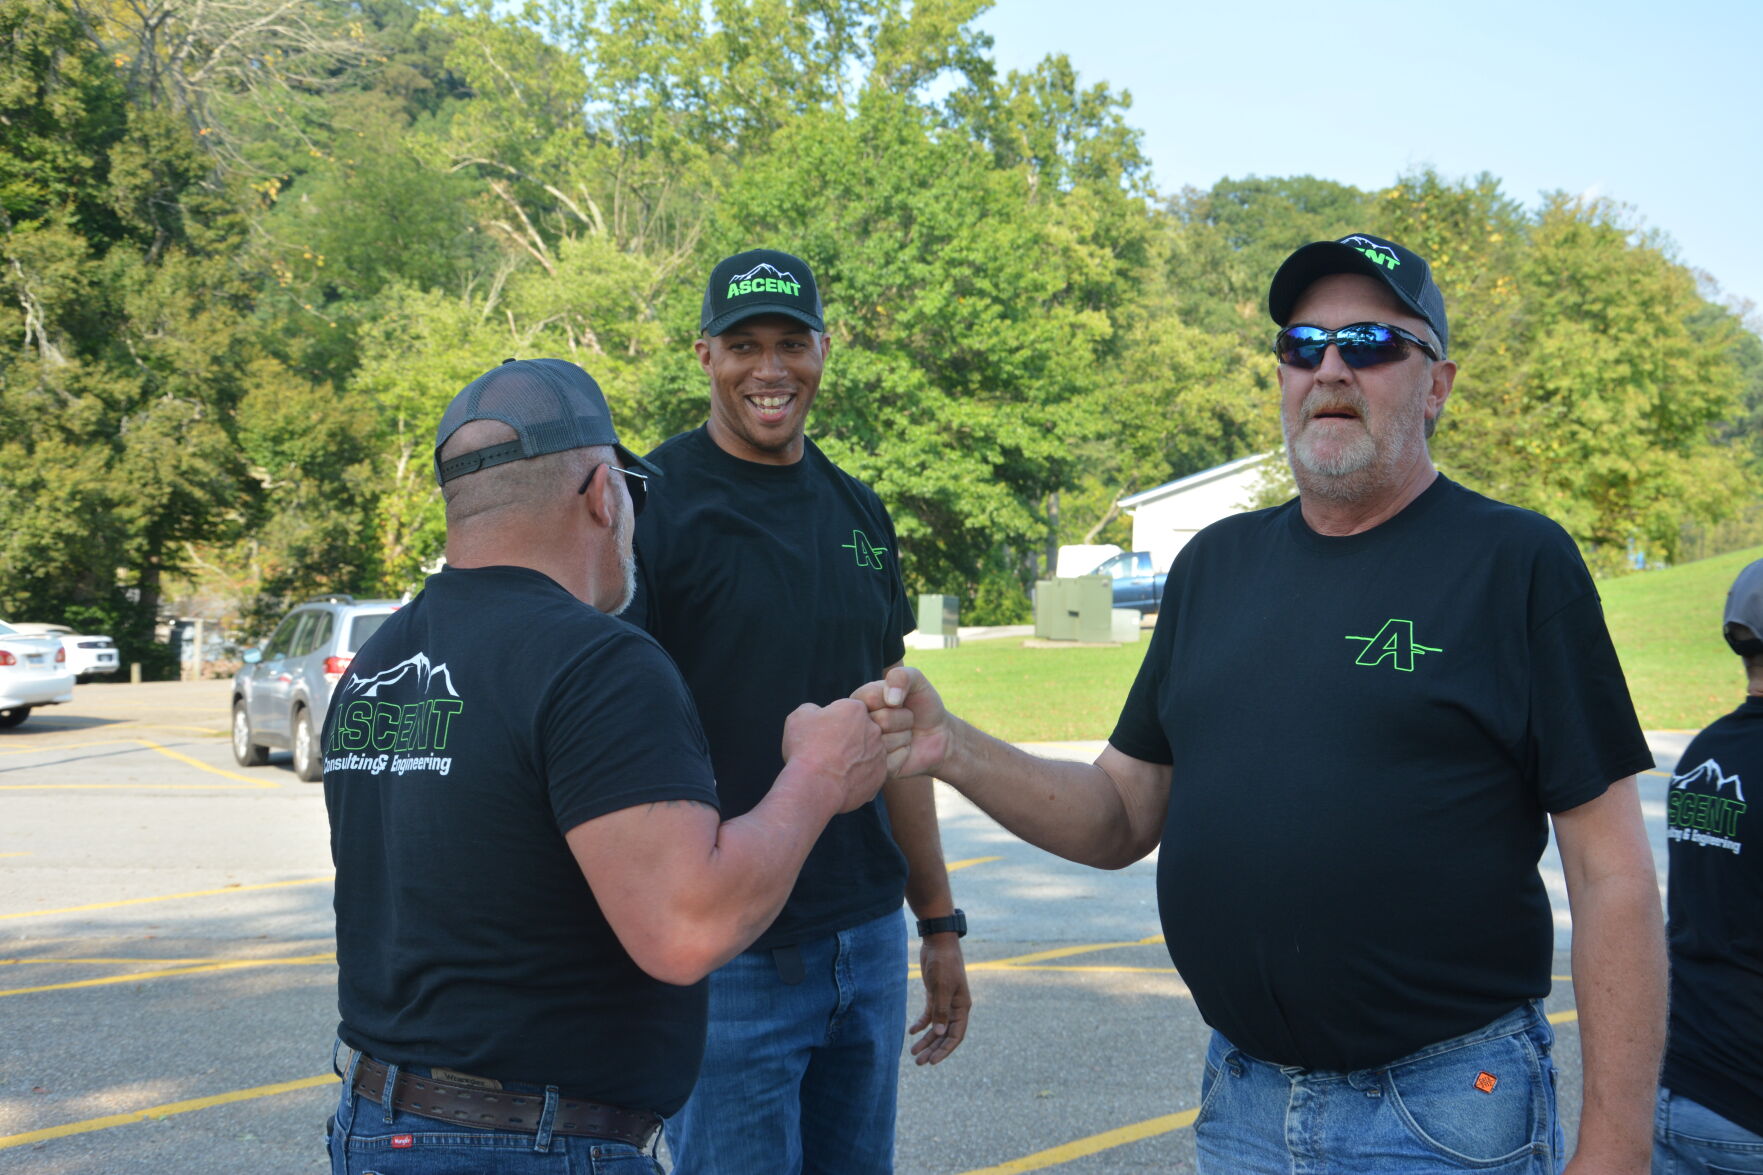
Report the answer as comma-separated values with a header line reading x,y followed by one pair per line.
x,y
1139,731
902,617
620,730
1583,733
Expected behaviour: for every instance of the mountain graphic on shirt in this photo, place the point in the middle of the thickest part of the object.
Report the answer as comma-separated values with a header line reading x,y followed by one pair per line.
x,y
418,666
1710,773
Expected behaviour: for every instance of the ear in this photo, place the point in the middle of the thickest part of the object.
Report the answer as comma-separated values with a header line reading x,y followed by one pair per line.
x,y
702,347
826,345
601,499
1444,377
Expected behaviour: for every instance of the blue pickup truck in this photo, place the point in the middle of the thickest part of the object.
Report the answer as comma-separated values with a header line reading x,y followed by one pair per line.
x,y
1136,583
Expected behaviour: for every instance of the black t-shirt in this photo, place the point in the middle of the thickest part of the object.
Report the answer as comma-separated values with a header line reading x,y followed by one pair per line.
x,y
483,720
1366,732
770,586
1715,1053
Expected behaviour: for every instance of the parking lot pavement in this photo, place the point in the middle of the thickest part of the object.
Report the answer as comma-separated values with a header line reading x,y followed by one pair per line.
x,y
168,975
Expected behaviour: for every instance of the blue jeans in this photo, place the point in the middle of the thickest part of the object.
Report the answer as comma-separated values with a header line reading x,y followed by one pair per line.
x,y
801,1077
368,1138
1483,1101
1691,1139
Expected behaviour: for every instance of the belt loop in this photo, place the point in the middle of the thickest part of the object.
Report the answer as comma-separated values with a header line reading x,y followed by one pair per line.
x,y
386,1094
547,1118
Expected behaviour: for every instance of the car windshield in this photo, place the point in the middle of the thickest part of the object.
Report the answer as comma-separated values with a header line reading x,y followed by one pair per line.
x,y
362,627
7,629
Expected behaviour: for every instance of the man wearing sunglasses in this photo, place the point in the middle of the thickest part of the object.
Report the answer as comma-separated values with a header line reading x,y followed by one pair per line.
x,y
532,874
772,577
1356,718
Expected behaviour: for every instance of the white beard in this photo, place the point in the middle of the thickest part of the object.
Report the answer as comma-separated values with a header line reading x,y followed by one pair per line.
x,y
1363,465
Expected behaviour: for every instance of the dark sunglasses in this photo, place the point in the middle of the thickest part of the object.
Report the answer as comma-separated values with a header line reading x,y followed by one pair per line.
x,y
1363,344
638,483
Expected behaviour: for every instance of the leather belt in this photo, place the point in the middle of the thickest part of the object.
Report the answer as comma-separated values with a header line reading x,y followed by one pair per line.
x,y
501,1109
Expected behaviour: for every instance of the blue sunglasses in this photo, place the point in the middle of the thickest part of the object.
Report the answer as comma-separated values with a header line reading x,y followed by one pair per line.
x,y
1363,344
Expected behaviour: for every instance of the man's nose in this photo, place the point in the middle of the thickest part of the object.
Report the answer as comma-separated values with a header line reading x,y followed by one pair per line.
x,y
771,364
1333,368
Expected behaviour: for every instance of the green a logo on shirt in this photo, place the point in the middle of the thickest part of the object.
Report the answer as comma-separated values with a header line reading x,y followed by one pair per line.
x,y
1395,640
866,552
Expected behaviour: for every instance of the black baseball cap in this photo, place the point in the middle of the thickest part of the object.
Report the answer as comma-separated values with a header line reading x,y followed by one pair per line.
x,y
551,404
1404,271
1744,605
760,281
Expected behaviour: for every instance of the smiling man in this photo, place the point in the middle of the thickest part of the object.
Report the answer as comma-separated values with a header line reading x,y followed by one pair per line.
x,y
1358,715
764,565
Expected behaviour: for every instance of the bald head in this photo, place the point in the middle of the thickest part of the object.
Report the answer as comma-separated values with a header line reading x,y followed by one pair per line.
x,y
530,486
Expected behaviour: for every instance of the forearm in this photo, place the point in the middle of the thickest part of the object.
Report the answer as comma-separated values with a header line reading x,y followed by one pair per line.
x,y
912,813
1619,985
1071,809
752,867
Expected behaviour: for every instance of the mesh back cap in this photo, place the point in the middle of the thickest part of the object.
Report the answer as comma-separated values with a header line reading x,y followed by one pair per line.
x,y
1744,605
551,404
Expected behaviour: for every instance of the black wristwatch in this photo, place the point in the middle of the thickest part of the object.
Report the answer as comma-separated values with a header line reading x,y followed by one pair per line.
x,y
956,922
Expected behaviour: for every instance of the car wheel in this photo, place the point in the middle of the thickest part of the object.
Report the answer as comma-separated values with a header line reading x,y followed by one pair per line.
x,y
14,716
308,763
248,753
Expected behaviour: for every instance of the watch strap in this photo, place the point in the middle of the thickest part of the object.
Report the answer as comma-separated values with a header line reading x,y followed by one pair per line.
x,y
956,922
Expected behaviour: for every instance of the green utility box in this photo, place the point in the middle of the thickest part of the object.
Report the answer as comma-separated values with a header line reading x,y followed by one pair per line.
x,y
1076,609
938,623
938,615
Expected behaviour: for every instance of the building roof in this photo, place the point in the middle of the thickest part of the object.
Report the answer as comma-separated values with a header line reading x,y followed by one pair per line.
x,y
1192,481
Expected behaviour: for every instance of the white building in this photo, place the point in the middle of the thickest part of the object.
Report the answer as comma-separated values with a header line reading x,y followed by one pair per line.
x,y
1164,518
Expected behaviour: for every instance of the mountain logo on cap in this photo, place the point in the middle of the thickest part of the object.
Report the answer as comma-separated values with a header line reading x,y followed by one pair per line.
x,y
764,278
1382,254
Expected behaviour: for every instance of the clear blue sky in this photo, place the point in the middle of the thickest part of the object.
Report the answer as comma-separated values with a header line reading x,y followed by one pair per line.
x,y
1658,106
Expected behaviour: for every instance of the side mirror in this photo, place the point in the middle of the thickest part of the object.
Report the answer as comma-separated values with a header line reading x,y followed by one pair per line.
x,y
253,656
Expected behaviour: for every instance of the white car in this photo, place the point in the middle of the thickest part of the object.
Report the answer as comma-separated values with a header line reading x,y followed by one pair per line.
x,y
33,672
87,654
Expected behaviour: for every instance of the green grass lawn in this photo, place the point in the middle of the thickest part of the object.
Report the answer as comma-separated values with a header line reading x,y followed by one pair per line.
x,y
1666,625
1033,695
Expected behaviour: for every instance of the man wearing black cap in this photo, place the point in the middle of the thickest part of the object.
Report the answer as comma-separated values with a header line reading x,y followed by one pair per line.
x,y
532,876
1356,712
1710,1112
771,576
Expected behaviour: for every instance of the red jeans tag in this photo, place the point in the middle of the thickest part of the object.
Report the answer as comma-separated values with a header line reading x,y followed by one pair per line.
x,y
401,1141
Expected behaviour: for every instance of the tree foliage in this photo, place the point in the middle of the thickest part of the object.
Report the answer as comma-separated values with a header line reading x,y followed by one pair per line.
x,y
250,248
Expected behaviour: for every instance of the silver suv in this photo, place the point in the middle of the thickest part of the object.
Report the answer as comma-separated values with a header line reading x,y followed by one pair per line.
x,y
281,693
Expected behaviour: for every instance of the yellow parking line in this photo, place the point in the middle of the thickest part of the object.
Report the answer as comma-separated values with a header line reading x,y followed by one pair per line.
x,y
1094,1144
125,960
1096,969
170,897
165,1111
200,766
253,780
1060,953
954,865
1567,1017
38,750
136,976
14,854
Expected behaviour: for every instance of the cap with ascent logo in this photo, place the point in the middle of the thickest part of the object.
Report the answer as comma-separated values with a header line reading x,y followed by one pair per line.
x,y
760,281
1404,271
551,404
